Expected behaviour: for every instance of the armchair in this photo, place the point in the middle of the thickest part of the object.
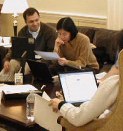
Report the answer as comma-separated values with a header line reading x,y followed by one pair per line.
x,y
114,122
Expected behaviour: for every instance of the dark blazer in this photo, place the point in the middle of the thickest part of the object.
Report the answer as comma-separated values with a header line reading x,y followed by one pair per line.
x,y
45,40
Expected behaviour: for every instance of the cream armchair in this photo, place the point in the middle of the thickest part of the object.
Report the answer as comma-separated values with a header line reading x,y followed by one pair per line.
x,y
113,122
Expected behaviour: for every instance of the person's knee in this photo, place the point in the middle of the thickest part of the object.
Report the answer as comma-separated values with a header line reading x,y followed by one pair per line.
x,y
15,65
27,69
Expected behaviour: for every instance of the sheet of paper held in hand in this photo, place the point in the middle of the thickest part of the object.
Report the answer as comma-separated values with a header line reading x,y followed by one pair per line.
x,y
48,55
44,116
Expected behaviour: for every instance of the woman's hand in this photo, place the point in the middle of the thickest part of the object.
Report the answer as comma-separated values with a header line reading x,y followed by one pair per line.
x,y
58,42
54,103
62,61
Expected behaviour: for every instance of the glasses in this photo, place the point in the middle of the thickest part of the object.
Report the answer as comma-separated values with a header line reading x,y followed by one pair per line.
x,y
65,34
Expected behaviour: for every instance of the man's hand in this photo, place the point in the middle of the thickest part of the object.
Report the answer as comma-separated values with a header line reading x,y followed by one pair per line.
x,y
62,61
54,103
6,66
59,95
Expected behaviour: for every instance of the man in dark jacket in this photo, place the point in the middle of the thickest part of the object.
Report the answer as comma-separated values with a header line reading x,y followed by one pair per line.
x,y
43,34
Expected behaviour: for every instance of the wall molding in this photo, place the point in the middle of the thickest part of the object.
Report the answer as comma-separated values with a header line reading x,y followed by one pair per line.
x,y
80,19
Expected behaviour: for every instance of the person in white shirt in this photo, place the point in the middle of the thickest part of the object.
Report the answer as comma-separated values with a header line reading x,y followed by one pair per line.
x,y
103,99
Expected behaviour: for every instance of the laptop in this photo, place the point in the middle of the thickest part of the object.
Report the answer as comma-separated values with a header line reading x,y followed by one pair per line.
x,y
23,47
78,87
40,71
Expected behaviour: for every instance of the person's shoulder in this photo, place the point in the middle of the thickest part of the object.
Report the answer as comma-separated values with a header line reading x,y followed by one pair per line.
x,y
47,27
82,37
48,31
23,30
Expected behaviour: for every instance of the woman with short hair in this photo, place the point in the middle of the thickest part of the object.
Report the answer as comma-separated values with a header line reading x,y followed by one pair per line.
x,y
73,47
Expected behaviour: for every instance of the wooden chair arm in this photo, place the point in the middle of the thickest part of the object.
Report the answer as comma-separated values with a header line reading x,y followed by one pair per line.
x,y
92,126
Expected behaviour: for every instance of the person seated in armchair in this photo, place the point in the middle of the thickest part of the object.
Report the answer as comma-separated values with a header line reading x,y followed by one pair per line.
x,y
44,37
73,47
102,100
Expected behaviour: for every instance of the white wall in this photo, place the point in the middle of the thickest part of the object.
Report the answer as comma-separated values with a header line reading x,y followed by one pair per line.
x,y
115,14
92,9
1,1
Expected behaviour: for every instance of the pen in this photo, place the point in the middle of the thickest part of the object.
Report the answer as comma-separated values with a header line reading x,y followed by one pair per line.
x,y
20,70
43,87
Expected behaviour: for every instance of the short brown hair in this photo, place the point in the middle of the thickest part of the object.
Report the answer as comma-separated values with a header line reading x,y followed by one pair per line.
x,y
29,11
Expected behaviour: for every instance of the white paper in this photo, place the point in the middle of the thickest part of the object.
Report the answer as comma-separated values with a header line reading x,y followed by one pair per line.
x,y
5,41
45,96
48,55
6,44
44,116
1,39
38,57
100,75
11,89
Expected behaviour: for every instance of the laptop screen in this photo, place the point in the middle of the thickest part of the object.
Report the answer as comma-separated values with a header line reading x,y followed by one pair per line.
x,y
78,86
21,46
40,71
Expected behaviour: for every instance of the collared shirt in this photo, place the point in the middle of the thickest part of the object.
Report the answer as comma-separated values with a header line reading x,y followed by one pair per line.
x,y
34,34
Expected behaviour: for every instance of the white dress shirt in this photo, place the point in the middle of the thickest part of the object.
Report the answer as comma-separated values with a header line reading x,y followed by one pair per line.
x,y
34,34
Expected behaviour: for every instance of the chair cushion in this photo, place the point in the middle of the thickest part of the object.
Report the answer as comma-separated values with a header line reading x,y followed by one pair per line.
x,y
89,31
101,55
107,39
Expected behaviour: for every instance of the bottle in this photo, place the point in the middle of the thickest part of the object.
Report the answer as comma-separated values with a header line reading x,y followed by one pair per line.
x,y
30,106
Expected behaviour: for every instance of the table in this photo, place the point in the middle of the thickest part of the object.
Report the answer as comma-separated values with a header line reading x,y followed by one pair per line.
x,y
13,112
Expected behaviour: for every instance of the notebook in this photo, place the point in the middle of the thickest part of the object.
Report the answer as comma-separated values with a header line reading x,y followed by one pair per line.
x,y
40,71
78,87
18,91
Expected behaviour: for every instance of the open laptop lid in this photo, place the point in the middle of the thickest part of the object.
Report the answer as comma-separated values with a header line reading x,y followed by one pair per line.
x,y
21,46
78,87
40,71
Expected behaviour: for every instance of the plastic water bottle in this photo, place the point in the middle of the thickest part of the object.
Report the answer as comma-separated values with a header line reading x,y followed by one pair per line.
x,y
30,106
